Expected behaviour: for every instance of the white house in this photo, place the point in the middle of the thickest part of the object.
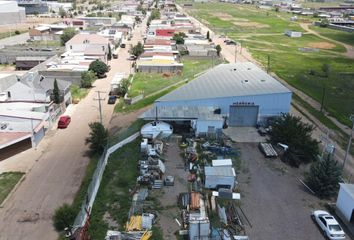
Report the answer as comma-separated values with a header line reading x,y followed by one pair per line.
x,y
92,45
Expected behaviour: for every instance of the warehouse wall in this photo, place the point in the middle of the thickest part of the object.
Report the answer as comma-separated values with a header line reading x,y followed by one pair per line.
x,y
269,104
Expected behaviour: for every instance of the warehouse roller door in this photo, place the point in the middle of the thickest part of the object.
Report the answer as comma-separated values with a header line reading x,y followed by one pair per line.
x,y
243,116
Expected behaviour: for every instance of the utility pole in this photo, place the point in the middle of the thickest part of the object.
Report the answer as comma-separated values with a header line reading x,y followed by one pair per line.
x,y
99,104
350,141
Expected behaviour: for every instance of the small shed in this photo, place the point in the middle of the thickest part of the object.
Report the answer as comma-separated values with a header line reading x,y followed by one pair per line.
x,y
291,33
222,176
345,203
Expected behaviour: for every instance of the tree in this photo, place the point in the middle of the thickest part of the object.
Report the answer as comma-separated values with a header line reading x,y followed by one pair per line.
x,y
155,14
123,87
208,35
109,55
289,130
98,67
63,217
62,12
179,37
98,138
87,78
218,49
137,19
324,23
68,33
324,177
56,92
138,49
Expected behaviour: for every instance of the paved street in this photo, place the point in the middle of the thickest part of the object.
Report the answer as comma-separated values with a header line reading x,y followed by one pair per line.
x,y
14,40
57,167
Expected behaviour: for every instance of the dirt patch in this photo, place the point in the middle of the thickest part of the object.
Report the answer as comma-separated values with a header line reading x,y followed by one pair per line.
x,y
7,68
224,16
30,22
250,24
321,45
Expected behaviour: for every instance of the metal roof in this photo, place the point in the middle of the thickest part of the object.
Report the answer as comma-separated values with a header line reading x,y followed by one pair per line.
x,y
219,171
228,80
181,112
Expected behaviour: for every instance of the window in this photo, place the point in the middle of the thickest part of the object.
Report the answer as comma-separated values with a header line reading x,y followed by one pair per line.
x,y
71,47
323,221
9,94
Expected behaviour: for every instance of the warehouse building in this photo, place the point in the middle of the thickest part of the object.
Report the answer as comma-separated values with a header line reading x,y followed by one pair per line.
x,y
11,13
239,95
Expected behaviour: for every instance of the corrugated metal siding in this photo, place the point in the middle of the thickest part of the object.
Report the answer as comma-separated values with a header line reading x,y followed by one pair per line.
x,y
243,116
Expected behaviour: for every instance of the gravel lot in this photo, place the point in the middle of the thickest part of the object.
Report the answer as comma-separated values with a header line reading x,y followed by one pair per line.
x,y
276,204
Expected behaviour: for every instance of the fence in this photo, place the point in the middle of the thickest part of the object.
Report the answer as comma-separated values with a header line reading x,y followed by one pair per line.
x,y
96,181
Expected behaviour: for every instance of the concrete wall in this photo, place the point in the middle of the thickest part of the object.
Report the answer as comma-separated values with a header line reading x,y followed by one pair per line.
x,y
159,69
12,17
269,104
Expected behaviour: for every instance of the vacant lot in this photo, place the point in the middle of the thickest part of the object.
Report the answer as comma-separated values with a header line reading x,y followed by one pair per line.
x,y
300,68
337,35
150,83
276,204
8,180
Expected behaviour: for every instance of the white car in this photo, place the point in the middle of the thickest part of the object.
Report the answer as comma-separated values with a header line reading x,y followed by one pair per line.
x,y
328,224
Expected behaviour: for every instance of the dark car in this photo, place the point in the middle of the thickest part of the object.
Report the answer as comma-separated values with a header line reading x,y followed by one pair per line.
x,y
64,121
122,45
115,55
112,99
230,42
132,58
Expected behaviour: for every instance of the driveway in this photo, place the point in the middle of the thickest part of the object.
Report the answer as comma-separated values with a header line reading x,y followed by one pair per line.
x,y
275,203
58,166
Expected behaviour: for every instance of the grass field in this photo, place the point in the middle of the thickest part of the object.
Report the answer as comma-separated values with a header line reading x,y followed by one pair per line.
x,y
78,93
261,33
8,180
150,83
337,35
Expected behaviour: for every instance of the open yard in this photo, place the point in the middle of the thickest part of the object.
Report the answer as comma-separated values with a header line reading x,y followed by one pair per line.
x,y
337,35
8,180
302,69
150,83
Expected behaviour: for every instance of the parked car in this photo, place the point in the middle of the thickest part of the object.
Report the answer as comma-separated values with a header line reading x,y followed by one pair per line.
x,y
115,55
132,57
122,45
169,181
64,121
230,42
112,99
328,224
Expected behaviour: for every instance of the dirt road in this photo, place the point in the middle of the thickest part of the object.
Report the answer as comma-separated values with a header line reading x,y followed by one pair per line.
x,y
59,168
276,204
350,49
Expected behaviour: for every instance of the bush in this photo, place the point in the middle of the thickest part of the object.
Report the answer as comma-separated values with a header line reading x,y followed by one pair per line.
x,y
17,32
87,79
324,177
64,216
98,67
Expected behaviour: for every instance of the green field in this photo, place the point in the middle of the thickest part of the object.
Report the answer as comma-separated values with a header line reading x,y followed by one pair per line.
x,y
261,32
152,82
8,181
337,35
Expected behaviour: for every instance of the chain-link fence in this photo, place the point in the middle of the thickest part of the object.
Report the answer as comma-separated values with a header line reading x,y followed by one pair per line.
x,y
96,181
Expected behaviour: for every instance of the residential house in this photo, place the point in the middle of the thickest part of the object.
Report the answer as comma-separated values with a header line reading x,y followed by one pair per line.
x,y
92,46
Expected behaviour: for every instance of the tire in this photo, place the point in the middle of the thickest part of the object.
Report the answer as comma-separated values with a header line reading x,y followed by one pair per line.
x,y
313,217
325,235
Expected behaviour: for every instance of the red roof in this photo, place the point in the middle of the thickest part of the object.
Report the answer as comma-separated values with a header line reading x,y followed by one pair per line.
x,y
165,32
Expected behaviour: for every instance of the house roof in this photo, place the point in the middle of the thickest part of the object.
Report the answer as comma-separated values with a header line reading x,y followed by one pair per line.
x,y
227,80
8,138
81,38
158,62
158,42
219,171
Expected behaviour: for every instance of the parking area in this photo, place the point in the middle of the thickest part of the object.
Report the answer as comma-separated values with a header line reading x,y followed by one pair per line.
x,y
275,203
244,134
